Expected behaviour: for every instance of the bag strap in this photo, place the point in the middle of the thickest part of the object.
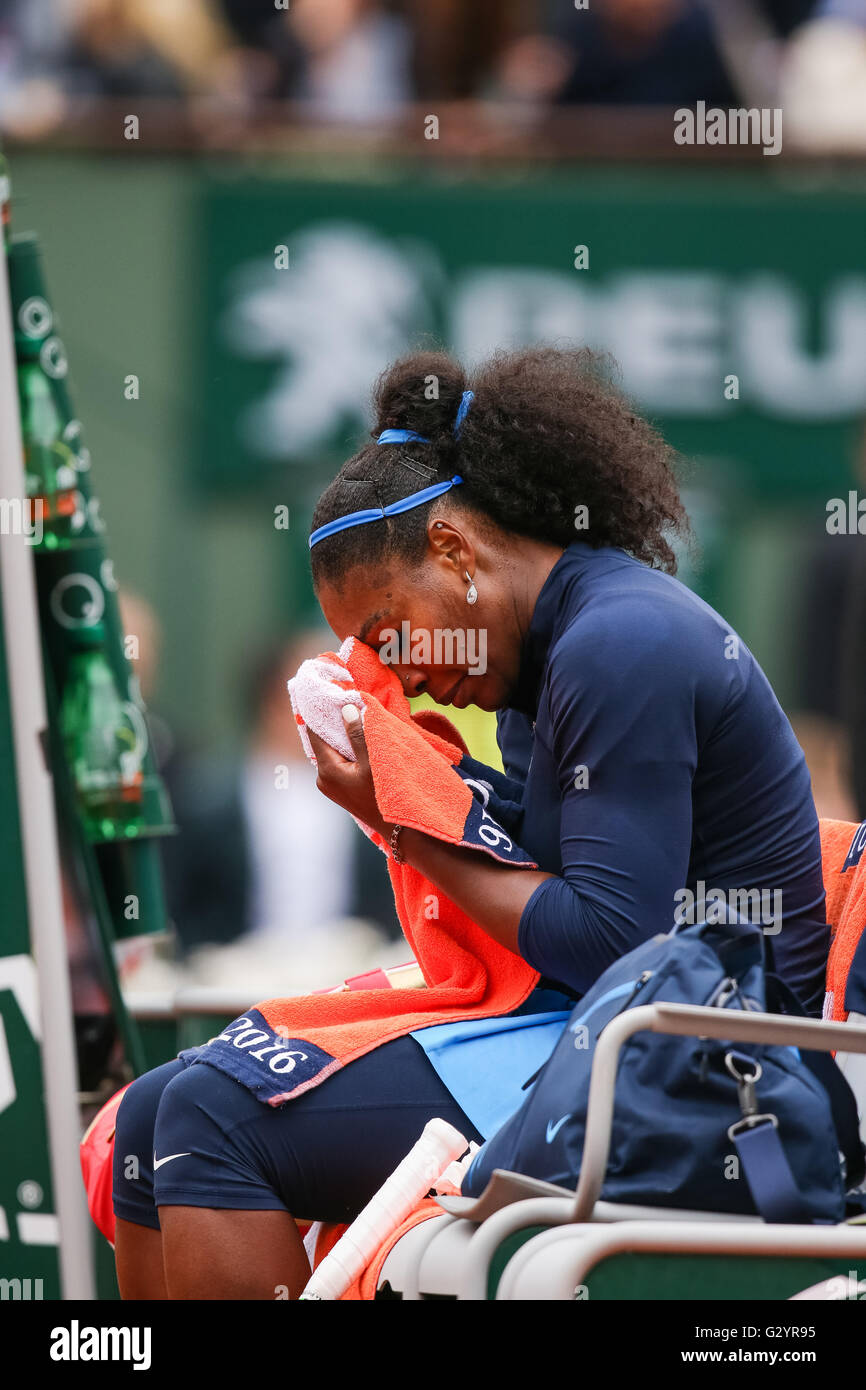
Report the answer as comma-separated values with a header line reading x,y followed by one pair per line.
x,y
781,999
769,1175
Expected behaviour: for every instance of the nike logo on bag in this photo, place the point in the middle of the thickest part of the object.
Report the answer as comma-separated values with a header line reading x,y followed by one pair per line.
x,y
158,1162
553,1129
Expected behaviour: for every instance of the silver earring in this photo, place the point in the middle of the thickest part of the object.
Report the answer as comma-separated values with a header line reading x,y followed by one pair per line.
x,y
471,592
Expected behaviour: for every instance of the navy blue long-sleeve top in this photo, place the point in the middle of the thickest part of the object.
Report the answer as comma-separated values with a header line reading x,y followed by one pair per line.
x,y
655,758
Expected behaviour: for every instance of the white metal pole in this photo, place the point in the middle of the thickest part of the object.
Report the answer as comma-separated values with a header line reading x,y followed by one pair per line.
x,y
39,838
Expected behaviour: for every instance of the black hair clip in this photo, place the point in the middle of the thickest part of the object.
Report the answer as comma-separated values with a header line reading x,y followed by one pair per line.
x,y
422,469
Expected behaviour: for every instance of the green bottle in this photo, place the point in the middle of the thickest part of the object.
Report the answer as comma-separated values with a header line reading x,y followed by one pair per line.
x,y
105,740
51,479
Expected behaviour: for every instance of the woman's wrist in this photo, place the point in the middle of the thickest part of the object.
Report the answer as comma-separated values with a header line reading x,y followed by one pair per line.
x,y
386,829
400,838
394,844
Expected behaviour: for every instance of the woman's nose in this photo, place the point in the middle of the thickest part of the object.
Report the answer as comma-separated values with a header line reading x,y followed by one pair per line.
x,y
414,682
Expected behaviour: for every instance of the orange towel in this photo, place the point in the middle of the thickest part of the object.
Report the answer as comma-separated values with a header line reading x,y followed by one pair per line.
x,y
282,1047
367,1282
843,852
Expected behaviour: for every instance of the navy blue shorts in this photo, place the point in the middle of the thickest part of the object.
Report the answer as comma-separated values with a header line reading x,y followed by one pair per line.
x,y
320,1157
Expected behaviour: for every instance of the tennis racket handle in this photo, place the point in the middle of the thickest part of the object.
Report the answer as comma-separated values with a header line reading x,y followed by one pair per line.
x,y
426,1161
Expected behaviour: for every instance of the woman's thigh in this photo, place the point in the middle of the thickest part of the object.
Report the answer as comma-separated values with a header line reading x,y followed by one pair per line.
x,y
319,1157
133,1173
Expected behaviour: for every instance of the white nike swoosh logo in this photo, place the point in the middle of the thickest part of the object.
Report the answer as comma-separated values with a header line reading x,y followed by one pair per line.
x,y
553,1129
158,1162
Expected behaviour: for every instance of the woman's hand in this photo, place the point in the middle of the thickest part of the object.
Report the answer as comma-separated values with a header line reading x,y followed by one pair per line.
x,y
349,784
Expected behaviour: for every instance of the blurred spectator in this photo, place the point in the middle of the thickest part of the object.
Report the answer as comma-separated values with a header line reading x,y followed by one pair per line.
x,y
454,60
652,52
33,35
260,850
268,59
357,58
824,79
626,52
108,56
164,48
54,50
348,60
750,35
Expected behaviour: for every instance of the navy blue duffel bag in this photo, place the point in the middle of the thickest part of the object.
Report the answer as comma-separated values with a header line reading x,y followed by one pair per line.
x,y
677,1097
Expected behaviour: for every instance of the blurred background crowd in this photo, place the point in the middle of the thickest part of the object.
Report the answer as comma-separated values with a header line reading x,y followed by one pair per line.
x,y
252,390
363,60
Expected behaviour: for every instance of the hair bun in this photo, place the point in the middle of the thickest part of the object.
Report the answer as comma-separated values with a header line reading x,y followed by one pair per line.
x,y
420,392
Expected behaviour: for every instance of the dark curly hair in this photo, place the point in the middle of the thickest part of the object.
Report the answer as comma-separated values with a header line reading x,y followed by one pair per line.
x,y
548,431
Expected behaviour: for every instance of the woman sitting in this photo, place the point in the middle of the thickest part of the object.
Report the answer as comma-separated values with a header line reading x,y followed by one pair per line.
x,y
654,758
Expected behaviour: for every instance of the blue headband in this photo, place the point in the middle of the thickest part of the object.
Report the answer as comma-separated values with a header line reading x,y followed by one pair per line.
x,y
406,504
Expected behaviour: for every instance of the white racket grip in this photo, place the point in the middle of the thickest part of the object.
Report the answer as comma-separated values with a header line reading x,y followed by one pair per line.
x,y
438,1146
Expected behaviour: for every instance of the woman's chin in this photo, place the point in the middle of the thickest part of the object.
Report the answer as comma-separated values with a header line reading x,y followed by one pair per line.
x,y
479,692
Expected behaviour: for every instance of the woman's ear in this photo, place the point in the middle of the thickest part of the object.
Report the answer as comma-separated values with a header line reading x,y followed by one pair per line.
x,y
450,546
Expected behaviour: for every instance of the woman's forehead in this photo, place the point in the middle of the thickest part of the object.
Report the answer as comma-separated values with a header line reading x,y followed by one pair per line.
x,y
372,622
358,606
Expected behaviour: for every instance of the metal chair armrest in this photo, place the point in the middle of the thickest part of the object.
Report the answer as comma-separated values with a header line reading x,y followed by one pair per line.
x,y
570,1253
